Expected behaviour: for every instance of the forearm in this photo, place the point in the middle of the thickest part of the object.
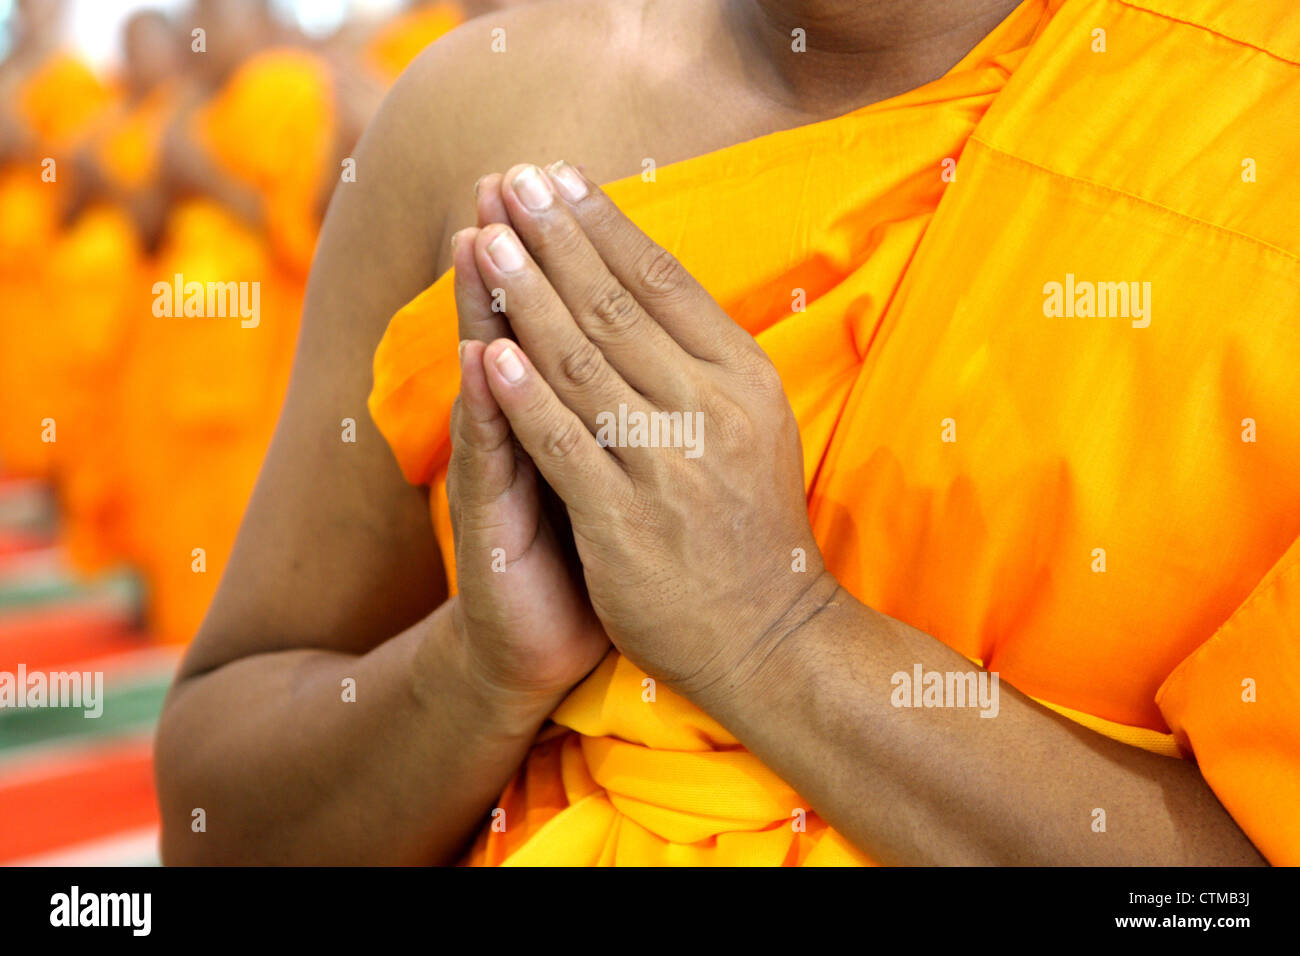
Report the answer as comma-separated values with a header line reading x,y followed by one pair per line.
x,y
924,785
289,770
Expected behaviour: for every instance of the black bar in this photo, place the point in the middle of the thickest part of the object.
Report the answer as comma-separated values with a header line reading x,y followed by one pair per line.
x,y
640,907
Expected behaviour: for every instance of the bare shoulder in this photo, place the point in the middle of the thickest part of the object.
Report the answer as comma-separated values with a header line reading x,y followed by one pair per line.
x,y
567,79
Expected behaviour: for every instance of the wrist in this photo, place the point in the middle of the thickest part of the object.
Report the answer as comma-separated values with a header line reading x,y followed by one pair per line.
x,y
492,708
771,662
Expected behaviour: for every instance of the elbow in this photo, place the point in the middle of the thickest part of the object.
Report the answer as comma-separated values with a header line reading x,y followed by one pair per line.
x,y
185,783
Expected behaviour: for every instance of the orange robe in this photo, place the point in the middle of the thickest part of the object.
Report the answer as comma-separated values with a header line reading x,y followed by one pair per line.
x,y
400,41
29,222
201,394
96,271
59,103
970,458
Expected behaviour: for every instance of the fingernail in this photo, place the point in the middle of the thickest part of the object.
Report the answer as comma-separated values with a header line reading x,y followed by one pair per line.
x,y
506,253
461,350
532,189
511,368
568,180
478,182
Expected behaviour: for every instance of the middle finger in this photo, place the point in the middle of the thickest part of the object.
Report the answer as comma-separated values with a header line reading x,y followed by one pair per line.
x,y
575,368
635,344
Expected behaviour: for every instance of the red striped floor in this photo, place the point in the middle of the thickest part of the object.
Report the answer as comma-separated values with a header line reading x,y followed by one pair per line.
x,y
74,789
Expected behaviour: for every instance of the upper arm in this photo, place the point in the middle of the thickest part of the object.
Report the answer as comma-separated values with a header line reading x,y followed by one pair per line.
x,y
336,550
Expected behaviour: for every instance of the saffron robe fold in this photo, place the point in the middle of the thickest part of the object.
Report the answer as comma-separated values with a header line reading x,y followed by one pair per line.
x,y
1104,513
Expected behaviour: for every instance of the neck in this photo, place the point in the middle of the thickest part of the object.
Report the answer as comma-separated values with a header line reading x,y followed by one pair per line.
x,y
857,51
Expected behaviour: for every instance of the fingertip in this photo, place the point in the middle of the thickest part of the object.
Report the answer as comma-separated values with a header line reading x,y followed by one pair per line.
x,y
500,250
508,177
488,204
483,238
569,181
471,354
462,247
473,382
507,363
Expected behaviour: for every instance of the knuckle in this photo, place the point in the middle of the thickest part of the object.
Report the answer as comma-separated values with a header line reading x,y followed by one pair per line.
x,y
581,364
490,434
562,439
471,435
729,421
537,411
759,374
614,308
601,217
563,238
742,355
661,274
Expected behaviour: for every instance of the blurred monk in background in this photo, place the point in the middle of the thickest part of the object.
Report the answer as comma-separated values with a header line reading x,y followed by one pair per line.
x,y
209,157
250,156
96,271
50,102
246,160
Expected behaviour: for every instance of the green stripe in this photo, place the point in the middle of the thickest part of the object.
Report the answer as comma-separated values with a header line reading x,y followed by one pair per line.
x,y
128,706
26,593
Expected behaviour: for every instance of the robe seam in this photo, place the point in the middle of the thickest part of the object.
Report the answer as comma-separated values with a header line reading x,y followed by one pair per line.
x,y
1077,180
1213,31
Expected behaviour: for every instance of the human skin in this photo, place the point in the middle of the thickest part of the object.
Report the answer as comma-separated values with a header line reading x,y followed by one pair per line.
x,y
336,573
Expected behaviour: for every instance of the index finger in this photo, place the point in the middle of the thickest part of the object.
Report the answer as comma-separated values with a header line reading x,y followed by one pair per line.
x,y
666,291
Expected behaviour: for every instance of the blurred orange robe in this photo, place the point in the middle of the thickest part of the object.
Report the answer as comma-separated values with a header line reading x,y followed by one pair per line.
x,y
97,270
969,457
59,103
201,395
400,41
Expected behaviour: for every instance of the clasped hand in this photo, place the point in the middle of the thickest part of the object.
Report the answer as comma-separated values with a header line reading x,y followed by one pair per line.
x,y
591,356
